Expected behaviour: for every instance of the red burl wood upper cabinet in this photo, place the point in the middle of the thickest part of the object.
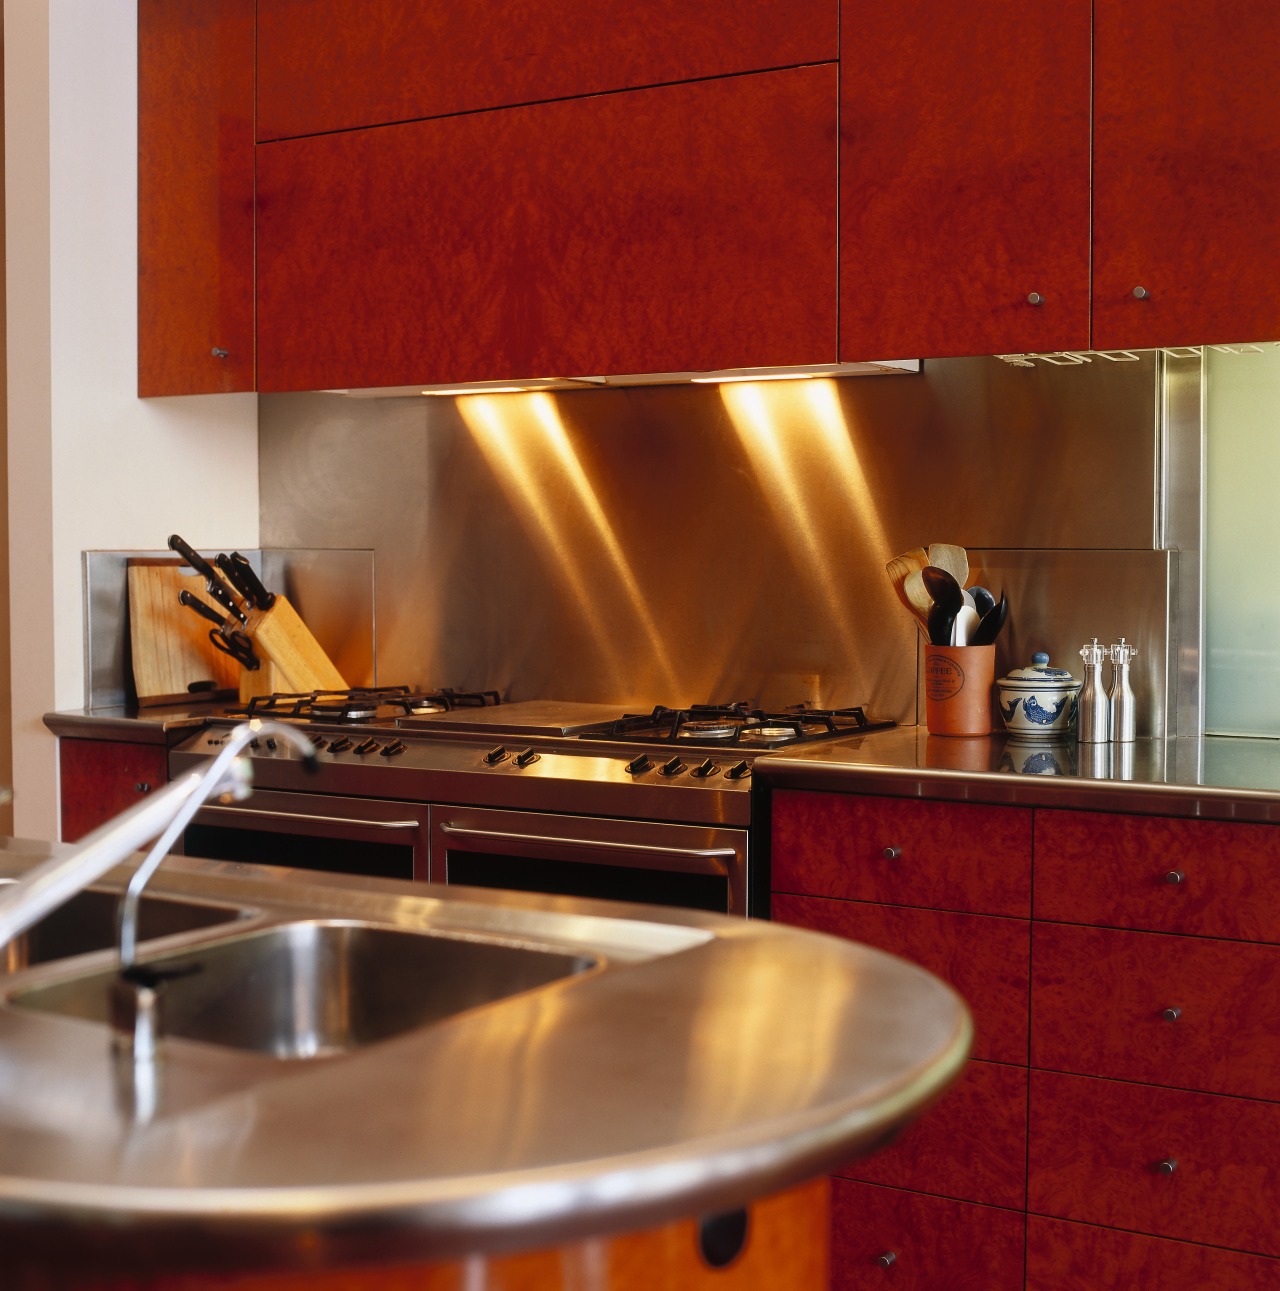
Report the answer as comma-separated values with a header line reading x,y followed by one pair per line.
x,y
964,178
327,65
683,227
195,196
1186,172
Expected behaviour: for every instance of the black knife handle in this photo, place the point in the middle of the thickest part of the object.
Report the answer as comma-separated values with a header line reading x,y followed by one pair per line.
x,y
216,587
203,608
232,573
258,594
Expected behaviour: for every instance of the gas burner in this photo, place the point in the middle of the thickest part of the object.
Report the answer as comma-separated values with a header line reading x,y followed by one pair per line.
x,y
737,724
361,704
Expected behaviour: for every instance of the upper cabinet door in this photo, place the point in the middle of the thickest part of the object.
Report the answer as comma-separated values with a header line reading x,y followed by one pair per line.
x,y
195,196
341,64
686,227
1186,172
964,178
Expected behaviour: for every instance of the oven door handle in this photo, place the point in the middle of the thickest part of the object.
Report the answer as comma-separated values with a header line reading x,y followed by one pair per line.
x,y
685,860
250,814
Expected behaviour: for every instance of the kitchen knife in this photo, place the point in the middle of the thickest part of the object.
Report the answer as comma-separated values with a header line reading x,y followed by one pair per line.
x,y
233,572
216,587
258,595
202,608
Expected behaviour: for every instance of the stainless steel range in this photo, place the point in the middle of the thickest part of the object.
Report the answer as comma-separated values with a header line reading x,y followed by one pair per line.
x,y
544,796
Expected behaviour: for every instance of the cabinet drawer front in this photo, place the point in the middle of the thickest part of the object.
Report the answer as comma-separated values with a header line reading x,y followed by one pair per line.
x,y
1094,867
506,245
1111,1019
948,856
1080,1257
1094,1148
972,1144
936,1245
986,959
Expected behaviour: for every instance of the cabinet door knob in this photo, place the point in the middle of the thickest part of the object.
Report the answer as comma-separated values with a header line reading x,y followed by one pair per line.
x,y
887,1260
892,853
218,352
1167,1166
1035,298
1175,876
1141,293
1171,1014
142,787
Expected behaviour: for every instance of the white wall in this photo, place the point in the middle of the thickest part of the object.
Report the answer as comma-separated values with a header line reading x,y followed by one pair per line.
x,y
91,465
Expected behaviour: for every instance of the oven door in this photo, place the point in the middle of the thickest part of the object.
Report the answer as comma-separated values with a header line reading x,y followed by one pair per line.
x,y
621,860
306,831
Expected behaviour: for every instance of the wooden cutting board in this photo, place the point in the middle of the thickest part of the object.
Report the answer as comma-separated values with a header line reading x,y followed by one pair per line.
x,y
170,643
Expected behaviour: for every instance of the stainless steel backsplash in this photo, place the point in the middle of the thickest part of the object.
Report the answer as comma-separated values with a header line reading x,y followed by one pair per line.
x,y
683,544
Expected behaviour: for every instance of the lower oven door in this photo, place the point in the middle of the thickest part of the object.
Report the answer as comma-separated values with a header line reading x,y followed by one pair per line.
x,y
314,832
621,860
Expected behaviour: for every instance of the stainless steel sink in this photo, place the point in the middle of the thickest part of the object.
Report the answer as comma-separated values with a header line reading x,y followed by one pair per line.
x,y
315,988
87,922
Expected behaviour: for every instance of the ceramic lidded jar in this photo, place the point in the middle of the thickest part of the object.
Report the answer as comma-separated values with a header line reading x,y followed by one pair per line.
x,y
1039,702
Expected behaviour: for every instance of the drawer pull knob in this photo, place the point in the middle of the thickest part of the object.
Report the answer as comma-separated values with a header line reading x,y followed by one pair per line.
x,y
1171,1014
892,853
1175,876
887,1260
1167,1166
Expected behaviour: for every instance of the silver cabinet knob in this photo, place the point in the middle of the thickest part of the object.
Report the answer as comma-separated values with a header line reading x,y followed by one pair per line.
x,y
218,352
1175,876
892,853
887,1260
1171,1014
1141,293
1035,298
142,787
1167,1166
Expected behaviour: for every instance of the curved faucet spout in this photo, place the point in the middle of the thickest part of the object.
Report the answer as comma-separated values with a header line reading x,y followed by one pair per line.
x,y
164,813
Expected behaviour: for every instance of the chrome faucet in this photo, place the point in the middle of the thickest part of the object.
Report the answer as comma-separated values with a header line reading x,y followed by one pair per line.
x,y
161,816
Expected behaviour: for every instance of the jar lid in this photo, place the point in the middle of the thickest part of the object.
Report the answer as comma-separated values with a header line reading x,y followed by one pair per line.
x,y
1040,673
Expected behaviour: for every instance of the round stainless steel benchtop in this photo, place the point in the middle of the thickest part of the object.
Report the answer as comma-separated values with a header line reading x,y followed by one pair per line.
x,y
700,1062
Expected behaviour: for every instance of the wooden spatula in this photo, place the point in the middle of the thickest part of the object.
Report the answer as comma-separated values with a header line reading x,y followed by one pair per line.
x,y
955,560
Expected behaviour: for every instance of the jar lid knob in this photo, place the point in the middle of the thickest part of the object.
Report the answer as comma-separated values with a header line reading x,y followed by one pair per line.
x,y
1039,659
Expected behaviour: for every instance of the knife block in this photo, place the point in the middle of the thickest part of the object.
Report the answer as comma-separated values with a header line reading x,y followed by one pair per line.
x,y
282,639
170,645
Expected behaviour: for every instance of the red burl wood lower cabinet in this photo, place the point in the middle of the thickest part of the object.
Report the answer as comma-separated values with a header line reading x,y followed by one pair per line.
x,y
100,778
1125,1087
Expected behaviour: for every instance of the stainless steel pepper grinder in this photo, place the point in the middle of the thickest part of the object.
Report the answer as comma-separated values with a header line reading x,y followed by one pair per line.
x,y
1093,721
1124,723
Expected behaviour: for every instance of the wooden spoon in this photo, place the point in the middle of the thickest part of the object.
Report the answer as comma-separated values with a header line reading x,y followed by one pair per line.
x,y
955,560
899,569
916,596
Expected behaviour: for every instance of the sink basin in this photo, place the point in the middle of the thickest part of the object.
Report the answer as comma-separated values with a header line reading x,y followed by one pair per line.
x,y
319,987
87,922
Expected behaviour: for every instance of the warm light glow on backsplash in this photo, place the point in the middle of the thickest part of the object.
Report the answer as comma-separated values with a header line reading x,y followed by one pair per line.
x,y
797,442
559,507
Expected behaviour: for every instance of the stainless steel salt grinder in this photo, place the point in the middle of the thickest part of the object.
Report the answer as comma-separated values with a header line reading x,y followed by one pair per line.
x,y
1124,724
1093,720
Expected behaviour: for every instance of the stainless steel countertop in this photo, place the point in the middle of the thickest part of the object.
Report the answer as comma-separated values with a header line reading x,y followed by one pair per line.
x,y
709,1062
1217,777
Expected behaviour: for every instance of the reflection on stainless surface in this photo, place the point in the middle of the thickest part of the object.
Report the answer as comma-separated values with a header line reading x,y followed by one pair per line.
x,y
675,545
702,1062
1216,776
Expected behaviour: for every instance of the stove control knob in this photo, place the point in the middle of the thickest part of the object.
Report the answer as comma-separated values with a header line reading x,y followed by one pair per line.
x,y
639,765
318,742
494,756
704,769
672,768
394,749
366,746
271,744
527,758
739,770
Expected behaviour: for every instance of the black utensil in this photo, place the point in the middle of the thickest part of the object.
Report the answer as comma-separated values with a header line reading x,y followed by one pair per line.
x,y
942,620
982,600
991,622
202,608
232,573
215,586
258,594
944,589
